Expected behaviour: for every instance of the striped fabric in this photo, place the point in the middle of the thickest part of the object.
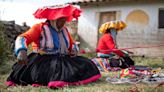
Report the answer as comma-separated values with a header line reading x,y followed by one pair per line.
x,y
49,39
102,64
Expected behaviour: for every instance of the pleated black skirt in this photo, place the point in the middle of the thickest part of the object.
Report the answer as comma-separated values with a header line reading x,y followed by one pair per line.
x,y
54,71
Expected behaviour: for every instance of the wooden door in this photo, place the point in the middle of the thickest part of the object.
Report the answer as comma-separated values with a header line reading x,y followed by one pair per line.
x,y
106,17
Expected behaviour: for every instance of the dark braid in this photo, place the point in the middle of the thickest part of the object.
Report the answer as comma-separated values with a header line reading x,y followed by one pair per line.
x,y
108,31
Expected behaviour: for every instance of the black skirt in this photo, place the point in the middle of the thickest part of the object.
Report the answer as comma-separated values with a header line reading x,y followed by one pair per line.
x,y
54,71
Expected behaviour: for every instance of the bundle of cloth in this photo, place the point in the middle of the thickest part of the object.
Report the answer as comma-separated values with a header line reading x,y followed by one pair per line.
x,y
137,74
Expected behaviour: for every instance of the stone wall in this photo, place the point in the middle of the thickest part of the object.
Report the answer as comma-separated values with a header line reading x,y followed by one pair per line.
x,y
12,30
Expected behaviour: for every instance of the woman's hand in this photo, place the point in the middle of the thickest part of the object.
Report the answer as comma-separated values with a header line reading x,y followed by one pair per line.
x,y
116,56
127,53
22,57
73,53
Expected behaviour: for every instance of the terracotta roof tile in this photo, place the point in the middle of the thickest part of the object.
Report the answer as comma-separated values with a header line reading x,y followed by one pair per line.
x,y
85,1
94,1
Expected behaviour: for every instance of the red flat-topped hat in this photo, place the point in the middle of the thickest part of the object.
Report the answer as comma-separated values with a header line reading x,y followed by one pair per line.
x,y
58,11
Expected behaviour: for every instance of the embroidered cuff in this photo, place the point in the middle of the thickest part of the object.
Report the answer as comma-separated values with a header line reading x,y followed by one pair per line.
x,y
75,48
20,45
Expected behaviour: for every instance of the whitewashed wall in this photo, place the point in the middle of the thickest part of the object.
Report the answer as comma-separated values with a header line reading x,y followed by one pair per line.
x,y
130,37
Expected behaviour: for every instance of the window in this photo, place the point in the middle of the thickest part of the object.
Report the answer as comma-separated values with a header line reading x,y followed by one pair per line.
x,y
161,18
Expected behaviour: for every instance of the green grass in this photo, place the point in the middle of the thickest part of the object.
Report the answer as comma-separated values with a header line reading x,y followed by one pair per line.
x,y
99,86
152,62
5,52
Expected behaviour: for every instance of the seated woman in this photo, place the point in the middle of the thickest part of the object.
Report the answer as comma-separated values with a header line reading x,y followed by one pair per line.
x,y
54,61
107,48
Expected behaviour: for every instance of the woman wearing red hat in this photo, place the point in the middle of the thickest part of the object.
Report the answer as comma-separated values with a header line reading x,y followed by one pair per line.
x,y
54,61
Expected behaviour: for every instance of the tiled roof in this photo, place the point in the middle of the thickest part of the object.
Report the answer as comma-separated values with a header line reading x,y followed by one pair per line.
x,y
94,1
85,1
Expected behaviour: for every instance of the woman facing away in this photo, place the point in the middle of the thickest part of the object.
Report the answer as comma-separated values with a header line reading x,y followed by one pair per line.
x,y
54,61
108,54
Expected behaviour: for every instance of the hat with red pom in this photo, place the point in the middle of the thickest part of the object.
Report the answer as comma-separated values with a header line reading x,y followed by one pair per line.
x,y
58,11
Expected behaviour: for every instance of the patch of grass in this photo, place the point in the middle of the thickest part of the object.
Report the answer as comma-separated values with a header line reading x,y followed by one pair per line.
x,y
151,62
89,55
